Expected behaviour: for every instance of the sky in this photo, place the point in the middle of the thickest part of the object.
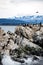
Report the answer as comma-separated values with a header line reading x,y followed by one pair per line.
x,y
11,8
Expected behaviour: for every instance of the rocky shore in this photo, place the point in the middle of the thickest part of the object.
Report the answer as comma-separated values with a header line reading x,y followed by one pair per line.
x,y
24,42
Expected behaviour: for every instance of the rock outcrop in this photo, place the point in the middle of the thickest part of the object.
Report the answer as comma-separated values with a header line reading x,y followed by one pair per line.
x,y
25,41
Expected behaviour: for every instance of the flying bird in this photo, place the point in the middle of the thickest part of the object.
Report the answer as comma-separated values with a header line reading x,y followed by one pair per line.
x,y
37,12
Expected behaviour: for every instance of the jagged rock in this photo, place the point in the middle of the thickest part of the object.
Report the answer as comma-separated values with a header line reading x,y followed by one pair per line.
x,y
24,32
38,39
0,59
36,27
18,60
26,40
3,38
35,58
11,45
17,39
10,34
41,29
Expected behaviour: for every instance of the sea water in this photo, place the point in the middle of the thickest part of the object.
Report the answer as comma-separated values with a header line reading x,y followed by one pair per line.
x,y
8,61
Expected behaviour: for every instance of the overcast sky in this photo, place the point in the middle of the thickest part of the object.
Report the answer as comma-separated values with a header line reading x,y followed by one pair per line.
x,y
10,8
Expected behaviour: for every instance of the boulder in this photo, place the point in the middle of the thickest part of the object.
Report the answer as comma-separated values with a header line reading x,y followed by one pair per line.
x,y
38,39
24,32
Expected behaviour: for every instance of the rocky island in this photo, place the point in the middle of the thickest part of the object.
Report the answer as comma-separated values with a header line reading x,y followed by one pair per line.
x,y
25,43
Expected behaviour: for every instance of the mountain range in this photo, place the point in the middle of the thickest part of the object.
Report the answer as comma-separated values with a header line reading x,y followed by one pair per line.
x,y
33,19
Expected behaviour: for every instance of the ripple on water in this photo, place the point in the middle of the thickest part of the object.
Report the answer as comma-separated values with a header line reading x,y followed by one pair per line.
x,y
8,61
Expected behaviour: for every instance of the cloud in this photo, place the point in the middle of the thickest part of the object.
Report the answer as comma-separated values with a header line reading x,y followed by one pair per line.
x,y
18,8
24,0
